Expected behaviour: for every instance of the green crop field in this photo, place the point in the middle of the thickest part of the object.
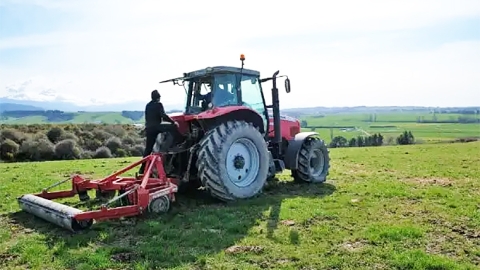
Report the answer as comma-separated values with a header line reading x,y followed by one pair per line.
x,y
392,124
393,207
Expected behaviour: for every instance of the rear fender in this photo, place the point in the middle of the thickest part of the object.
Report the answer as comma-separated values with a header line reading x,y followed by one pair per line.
x,y
240,113
294,145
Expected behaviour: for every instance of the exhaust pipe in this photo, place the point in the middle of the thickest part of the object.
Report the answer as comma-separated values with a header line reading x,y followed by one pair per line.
x,y
56,213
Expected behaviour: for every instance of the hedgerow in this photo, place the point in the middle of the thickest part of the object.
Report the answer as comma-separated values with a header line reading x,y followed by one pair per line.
x,y
44,142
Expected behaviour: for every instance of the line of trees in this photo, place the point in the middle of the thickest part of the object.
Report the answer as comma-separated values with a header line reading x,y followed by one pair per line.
x,y
406,138
359,141
452,120
373,140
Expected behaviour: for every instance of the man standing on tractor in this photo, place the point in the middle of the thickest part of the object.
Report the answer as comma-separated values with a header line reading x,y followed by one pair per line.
x,y
154,116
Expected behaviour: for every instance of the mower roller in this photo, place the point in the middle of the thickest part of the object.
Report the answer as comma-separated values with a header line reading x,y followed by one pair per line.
x,y
228,142
153,191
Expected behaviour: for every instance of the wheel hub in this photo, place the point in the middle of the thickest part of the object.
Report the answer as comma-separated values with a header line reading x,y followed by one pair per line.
x,y
239,162
242,163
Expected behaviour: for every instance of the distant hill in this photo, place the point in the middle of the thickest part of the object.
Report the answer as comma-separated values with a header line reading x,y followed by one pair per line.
x,y
12,113
57,116
72,107
297,112
18,107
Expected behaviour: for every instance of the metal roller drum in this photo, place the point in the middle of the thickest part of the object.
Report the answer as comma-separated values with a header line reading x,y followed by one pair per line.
x,y
56,213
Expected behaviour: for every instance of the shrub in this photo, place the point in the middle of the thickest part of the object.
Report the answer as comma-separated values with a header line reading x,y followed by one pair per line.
x,y
69,135
8,150
12,134
37,150
67,149
85,135
121,153
87,154
101,135
128,141
55,133
113,143
40,136
116,130
91,144
137,150
140,141
103,152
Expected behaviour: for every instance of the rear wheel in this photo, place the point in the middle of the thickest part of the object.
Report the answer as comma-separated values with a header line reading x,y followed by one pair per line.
x,y
233,161
313,162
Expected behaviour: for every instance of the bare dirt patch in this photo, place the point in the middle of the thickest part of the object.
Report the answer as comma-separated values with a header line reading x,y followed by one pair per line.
x,y
354,246
453,239
243,249
5,258
288,222
123,257
422,181
356,169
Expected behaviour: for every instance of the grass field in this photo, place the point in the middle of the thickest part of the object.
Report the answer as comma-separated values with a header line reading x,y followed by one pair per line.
x,y
388,124
408,207
393,124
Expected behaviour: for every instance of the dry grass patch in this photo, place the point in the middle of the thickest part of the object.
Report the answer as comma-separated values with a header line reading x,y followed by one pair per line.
x,y
354,246
424,181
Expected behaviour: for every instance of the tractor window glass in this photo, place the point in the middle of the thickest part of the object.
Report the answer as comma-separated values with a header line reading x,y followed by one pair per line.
x,y
224,91
251,95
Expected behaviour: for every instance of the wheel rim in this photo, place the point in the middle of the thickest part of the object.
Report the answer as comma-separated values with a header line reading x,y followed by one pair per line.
x,y
159,205
317,162
242,162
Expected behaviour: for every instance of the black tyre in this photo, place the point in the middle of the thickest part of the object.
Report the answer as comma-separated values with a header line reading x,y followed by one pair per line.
x,y
104,195
159,205
313,162
233,161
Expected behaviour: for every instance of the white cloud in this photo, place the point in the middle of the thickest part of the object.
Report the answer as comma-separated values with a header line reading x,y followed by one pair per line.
x,y
124,48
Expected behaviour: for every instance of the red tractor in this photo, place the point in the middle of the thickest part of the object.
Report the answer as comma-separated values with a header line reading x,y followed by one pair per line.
x,y
227,141
238,142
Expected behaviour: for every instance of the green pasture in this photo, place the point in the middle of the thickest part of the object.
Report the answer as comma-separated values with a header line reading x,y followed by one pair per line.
x,y
392,125
394,207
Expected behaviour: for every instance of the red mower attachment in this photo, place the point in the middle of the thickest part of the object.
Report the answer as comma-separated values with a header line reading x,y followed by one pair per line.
x,y
141,193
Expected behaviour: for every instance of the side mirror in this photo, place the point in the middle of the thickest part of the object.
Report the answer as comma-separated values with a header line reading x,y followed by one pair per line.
x,y
287,85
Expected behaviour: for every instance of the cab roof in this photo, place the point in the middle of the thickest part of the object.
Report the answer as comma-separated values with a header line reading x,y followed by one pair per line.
x,y
220,69
214,70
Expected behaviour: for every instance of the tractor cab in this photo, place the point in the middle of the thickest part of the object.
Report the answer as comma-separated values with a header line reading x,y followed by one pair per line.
x,y
222,86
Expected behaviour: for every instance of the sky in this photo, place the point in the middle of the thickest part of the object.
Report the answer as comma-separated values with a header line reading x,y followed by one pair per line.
x,y
336,53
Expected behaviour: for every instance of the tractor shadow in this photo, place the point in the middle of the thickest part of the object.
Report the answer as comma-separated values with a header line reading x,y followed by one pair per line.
x,y
195,227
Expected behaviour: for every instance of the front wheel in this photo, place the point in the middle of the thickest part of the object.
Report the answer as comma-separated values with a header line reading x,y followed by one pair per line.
x,y
313,162
233,161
